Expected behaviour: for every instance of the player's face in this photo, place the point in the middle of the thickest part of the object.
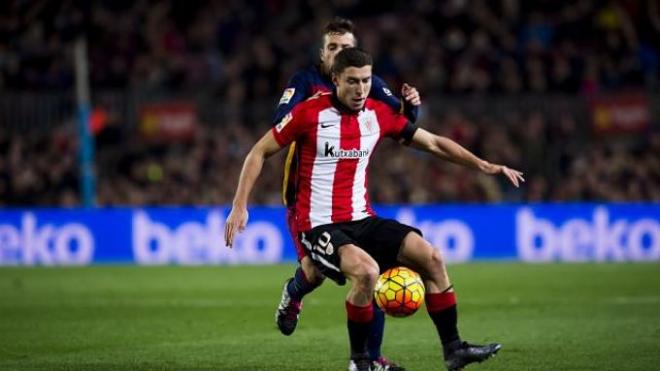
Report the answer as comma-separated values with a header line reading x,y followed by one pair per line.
x,y
353,86
333,43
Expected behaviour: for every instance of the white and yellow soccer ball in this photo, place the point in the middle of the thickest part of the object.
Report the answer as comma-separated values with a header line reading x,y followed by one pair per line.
x,y
399,292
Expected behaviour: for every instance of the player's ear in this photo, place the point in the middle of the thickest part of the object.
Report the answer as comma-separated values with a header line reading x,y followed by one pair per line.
x,y
335,78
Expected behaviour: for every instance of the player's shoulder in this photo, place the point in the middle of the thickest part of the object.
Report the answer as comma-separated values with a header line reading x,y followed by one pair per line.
x,y
378,105
316,102
379,87
319,99
305,114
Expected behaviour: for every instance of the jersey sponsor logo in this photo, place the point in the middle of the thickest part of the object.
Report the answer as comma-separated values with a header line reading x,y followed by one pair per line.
x,y
284,121
327,125
330,151
387,91
287,95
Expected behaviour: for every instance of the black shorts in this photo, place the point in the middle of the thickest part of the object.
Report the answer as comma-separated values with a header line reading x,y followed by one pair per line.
x,y
380,238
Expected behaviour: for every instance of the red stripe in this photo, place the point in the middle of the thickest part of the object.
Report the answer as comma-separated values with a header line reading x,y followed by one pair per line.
x,y
307,153
359,314
292,222
440,301
370,210
342,188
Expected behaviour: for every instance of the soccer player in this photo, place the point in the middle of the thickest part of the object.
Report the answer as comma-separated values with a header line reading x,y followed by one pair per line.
x,y
337,134
337,35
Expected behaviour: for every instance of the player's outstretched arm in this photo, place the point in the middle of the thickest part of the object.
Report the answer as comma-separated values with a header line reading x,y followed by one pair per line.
x,y
237,219
449,150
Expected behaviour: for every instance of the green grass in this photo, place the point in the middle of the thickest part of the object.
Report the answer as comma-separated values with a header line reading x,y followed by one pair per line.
x,y
548,317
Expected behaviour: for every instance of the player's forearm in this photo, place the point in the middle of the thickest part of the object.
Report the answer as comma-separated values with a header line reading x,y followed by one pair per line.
x,y
447,149
251,169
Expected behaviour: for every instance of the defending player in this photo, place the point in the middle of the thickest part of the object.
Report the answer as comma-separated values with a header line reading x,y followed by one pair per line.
x,y
337,134
337,35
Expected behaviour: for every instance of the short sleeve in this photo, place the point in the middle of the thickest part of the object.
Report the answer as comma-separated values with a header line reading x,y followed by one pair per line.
x,y
290,128
394,124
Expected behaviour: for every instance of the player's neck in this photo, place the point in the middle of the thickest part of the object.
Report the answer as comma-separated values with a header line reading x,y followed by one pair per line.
x,y
324,72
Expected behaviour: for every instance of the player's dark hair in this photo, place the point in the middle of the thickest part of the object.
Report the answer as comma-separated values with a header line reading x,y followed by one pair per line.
x,y
351,57
339,25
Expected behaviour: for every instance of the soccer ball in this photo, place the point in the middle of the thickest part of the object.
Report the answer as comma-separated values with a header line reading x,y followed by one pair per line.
x,y
399,292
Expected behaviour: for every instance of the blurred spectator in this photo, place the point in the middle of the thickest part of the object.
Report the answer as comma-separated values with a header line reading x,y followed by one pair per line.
x,y
559,165
485,46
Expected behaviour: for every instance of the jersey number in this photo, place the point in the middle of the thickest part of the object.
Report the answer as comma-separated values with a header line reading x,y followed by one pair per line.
x,y
323,244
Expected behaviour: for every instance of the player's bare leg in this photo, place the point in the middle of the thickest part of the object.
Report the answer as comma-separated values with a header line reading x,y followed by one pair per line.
x,y
306,279
311,272
419,255
362,270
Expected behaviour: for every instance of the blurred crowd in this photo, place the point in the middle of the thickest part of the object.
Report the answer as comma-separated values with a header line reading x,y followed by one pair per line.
x,y
247,50
243,52
558,162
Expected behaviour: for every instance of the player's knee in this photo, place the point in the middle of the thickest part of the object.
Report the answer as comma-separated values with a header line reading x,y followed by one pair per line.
x,y
366,274
434,265
436,260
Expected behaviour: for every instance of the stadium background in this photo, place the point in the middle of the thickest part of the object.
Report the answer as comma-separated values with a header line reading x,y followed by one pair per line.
x,y
516,82
568,92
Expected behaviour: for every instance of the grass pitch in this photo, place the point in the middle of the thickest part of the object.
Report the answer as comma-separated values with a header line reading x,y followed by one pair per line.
x,y
548,317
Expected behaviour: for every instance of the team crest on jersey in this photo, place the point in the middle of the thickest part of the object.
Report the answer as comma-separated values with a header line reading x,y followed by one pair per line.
x,y
369,125
387,91
287,95
284,121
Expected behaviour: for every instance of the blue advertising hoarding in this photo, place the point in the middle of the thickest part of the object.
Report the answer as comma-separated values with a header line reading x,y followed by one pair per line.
x,y
190,236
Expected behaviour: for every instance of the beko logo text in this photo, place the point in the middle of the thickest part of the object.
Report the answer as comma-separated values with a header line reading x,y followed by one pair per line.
x,y
577,239
203,243
30,244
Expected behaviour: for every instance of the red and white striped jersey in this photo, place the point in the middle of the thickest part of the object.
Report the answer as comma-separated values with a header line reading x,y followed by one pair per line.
x,y
335,146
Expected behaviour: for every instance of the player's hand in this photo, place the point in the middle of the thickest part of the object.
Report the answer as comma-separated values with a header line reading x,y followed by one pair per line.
x,y
235,223
514,176
411,95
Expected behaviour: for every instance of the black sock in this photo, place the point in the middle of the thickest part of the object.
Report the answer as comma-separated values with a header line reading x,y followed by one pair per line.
x,y
357,334
299,286
445,322
359,324
376,333
443,313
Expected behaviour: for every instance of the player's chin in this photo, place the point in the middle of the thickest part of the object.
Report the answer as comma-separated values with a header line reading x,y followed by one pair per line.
x,y
357,104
